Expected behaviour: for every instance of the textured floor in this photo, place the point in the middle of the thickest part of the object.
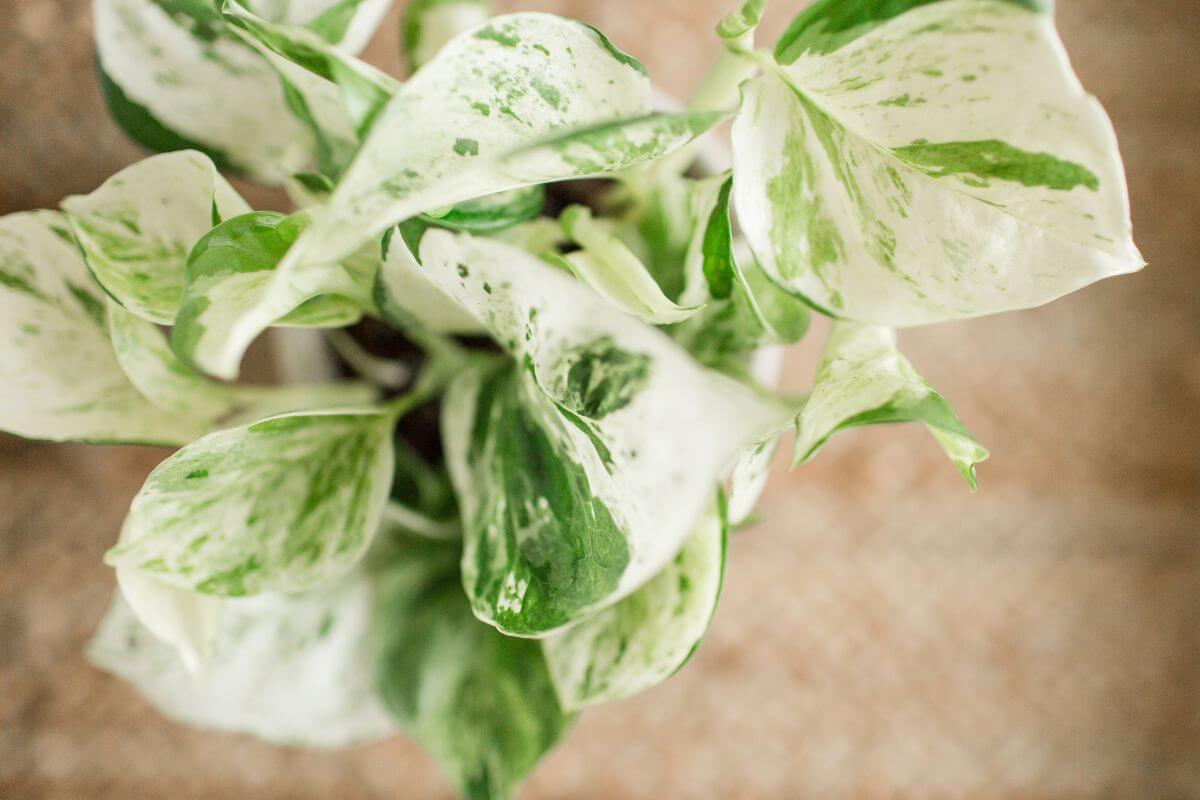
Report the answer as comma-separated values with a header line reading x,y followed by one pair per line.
x,y
884,633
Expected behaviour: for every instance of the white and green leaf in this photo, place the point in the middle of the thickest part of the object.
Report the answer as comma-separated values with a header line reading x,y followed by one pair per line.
x,y
610,268
749,479
427,25
406,294
915,162
581,470
862,379
487,115
281,505
63,380
294,669
136,230
164,380
644,639
234,263
363,88
174,78
480,702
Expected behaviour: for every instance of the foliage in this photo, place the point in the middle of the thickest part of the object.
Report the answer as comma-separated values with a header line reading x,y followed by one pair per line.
x,y
298,569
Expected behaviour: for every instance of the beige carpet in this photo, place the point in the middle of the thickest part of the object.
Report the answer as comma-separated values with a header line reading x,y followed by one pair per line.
x,y
884,633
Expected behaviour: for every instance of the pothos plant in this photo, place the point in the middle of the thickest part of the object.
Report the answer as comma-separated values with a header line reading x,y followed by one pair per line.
x,y
300,571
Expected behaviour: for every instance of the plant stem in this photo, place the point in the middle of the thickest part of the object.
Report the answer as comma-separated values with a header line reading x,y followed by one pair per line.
x,y
718,90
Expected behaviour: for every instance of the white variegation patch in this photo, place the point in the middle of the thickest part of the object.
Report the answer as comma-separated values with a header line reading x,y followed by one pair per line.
x,y
644,639
186,620
862,379
943,164
657,472
281,505
136,230
62,379
291,669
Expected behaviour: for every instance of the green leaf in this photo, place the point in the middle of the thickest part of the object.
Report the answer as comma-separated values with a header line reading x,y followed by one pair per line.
x,y
136,230
644,639
428,24
494,212
615,273
581,473
281,505
940,163
292,669
481,703
63,380
665,224
862,379
228,269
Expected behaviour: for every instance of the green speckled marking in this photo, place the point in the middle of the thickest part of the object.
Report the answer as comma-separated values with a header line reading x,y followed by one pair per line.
x,y
829,25
556,544
480,702
602,378
990,158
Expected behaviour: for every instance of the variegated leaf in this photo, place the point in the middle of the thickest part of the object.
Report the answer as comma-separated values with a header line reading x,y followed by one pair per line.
x,y
137,229
160,376
63,380
742,20
406,294
280,505
230,267
364,89
862,379
745,311
913,162
484,116
428,24
582,470
609,267
185,620
480,702
174,79
749,479
291,669
644,639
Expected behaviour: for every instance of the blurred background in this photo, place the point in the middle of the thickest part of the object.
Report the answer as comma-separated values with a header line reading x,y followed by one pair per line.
x,y
883,632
